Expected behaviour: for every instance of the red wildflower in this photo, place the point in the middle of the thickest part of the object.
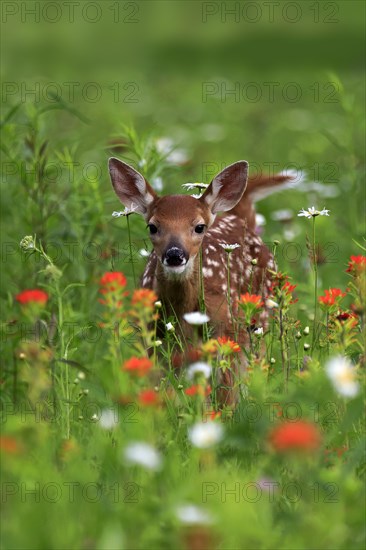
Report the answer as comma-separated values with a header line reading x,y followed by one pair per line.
x,y
148,397
29,296
251,299
111,281
331,297
228,345
197,389
144,297
138,366
344,316
288,288
295,436
356,264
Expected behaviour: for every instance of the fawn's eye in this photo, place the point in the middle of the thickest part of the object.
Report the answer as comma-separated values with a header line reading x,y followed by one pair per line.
x,y
152,228
200,228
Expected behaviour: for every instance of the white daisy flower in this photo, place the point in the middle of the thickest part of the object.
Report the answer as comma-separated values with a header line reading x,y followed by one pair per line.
x,y
196,318
342,374
259,331
108,419
205,434
199,368
196,185
169,327
312,212
271,303
125,212
144,253
193,515
143,454
229,247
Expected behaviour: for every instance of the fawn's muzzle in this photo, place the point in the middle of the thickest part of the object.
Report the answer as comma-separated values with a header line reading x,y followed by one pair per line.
x,y
174,256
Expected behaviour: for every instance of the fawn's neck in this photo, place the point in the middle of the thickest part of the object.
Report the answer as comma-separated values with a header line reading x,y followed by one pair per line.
x,y
179,293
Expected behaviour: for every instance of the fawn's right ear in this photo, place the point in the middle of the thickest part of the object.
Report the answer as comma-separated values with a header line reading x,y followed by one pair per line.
x,y
130,186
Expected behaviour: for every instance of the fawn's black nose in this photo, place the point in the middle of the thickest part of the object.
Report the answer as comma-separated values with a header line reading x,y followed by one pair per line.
x,y
174,256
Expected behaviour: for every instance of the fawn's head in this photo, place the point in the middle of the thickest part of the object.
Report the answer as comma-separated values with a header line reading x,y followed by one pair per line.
x,y
177,223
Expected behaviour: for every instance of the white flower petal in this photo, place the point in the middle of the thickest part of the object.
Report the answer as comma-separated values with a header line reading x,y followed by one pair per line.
x,y
196,318
193,515
199,368
143,454
342,374
205,434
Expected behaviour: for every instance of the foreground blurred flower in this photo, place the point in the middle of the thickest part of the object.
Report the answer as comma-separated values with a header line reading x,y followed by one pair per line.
x,y
111,281
144,297
32,296
148,398
295,436
197,389
205,434
312,212
108,419
193,515
199,369
342,374
143,454
9,444
138,366
196,318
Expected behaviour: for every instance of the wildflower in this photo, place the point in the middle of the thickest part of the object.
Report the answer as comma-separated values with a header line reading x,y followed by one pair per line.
x,y
258,332
196,318
306,346
272,360
143,454
111,281
312,212
81,375
197,185
356,265
306,331
228,346
229,247
144,297
295,436
27,243
138,366
158,304
144,253
254,261
199,369
157,343
169,327
251,299
32,296
271,303
332,296
197,389
342,374
148,397
126,211
193,515
108,419
205,434
288,288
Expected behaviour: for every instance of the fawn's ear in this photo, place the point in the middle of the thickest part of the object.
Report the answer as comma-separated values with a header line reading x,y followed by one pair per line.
x,y
130,186
227,188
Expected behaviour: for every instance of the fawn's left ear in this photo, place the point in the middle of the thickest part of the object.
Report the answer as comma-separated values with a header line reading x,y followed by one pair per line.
x,y
130,186
227,188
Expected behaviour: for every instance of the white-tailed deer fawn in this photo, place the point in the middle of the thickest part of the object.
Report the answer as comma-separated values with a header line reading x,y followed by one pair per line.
x,y
181,225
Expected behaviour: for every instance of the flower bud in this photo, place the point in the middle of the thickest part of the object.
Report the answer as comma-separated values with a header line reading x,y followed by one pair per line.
x,y
306,346
306,331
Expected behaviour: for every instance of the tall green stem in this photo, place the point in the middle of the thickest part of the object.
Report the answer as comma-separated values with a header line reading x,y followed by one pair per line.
x,y
130,250
315,268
